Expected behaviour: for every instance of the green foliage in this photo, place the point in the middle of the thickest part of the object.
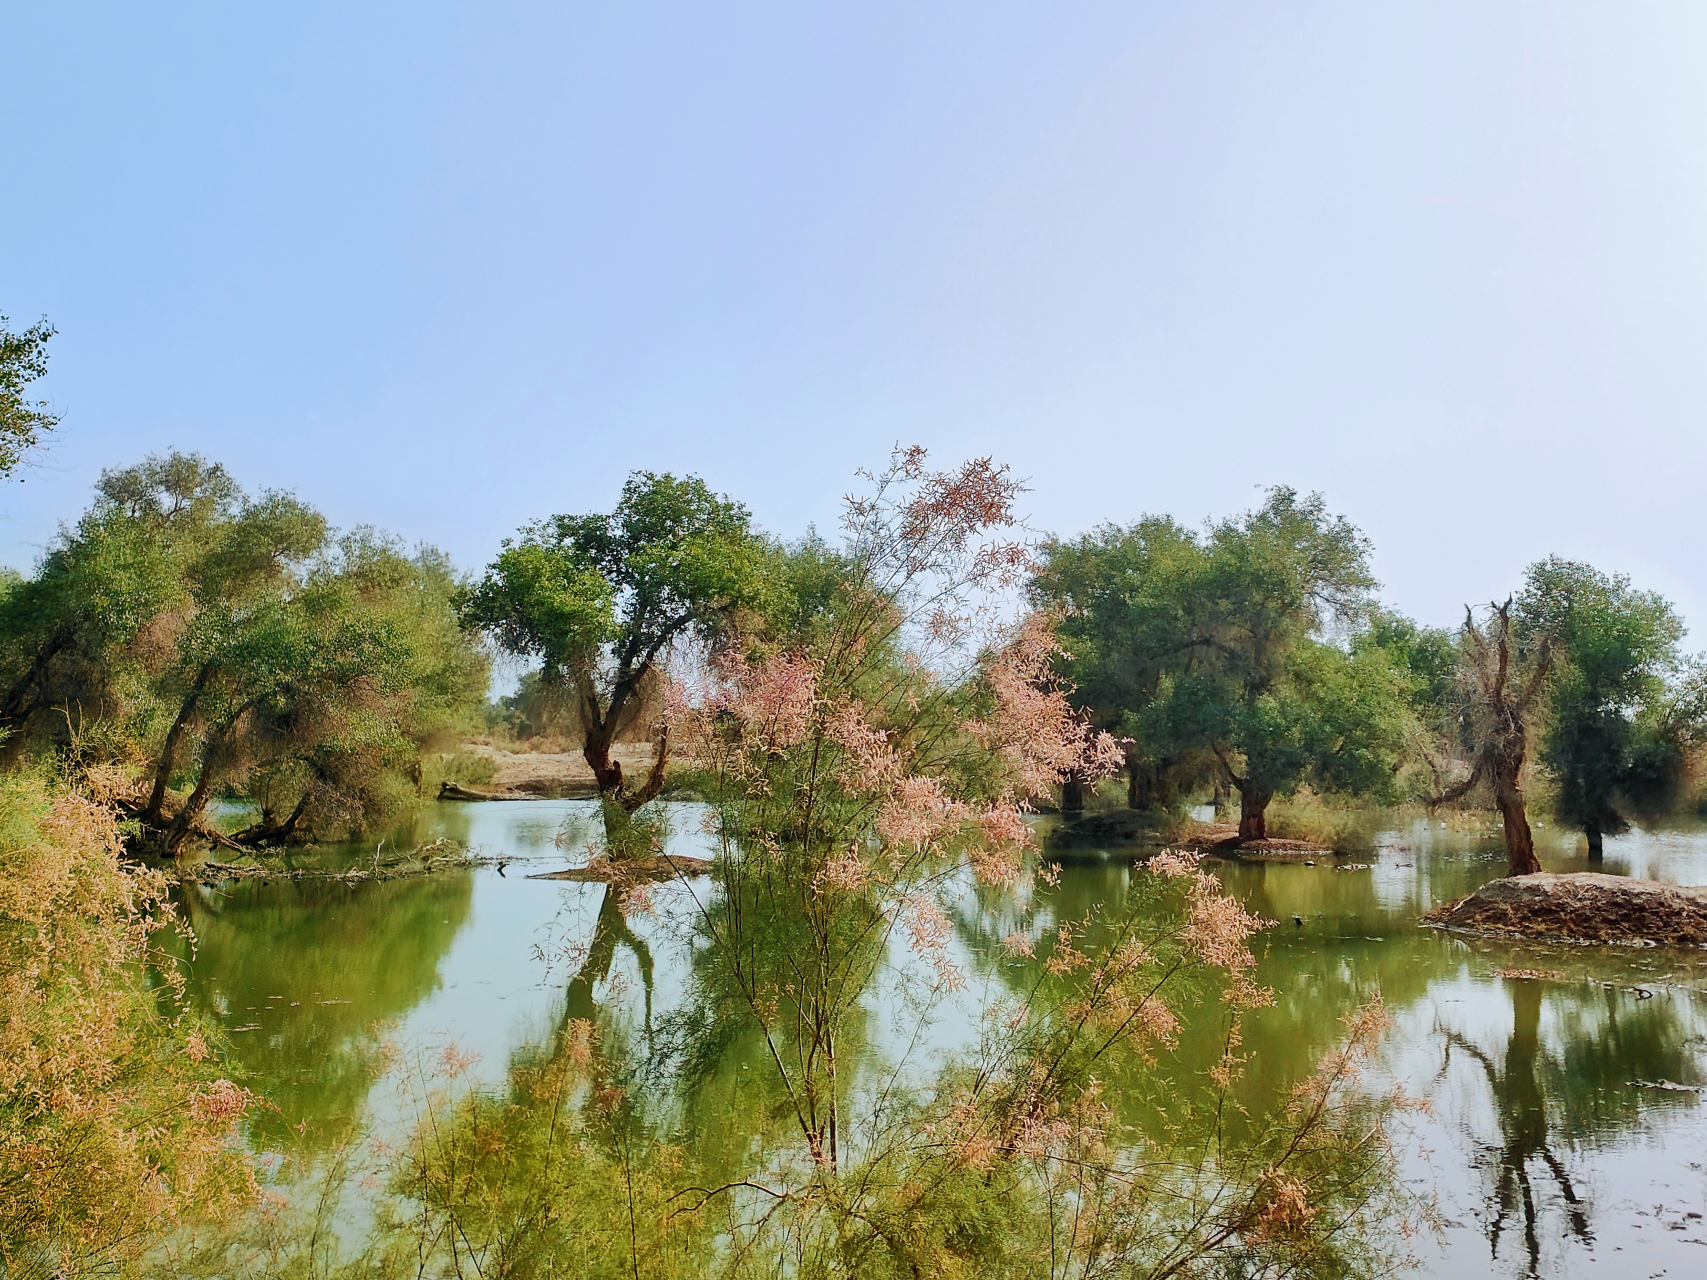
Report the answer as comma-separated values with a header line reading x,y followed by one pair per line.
x,y
1426,658
183,625
23,422
362,671
1615,738
1122,598
537,600
1216,648
809,589
108,596
603,600
671,560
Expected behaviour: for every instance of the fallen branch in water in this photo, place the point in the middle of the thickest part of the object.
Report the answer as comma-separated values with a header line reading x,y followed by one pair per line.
x,y
619,872
440,855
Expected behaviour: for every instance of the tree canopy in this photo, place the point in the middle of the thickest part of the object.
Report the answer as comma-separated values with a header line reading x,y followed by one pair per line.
x,y
224,639
1609,743
1122,597
1220,647
601,600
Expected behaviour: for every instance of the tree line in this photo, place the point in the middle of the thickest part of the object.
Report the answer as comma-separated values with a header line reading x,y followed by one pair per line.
x,y
214,641
1254,656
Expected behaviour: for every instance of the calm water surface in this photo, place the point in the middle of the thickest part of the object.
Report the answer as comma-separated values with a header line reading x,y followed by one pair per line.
x,y
1551,1145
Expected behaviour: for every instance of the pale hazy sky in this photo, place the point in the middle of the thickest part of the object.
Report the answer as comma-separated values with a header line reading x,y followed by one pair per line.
x,y
448,268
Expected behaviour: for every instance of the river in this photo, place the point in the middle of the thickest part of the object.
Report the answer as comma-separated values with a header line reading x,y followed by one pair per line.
x,y
1565,1134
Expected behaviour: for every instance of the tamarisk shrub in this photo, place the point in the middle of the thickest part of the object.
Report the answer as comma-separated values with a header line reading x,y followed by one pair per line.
x,y
113,1125
863,769
854,771
858,780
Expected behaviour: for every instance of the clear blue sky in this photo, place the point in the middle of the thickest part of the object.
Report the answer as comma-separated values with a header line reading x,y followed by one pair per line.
x,y
448,268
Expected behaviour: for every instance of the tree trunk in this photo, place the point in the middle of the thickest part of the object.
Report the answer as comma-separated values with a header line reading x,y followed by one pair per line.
x,y
21,699
1140,787
1072,796
1253,814
218,744
1596,841
169,751
607,773
193,807
266,831
1519,840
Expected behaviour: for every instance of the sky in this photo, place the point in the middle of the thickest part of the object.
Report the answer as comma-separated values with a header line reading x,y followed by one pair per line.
x,y
449,268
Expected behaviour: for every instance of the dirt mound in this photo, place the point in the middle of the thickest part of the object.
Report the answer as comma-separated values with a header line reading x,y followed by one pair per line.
x,y
1586,907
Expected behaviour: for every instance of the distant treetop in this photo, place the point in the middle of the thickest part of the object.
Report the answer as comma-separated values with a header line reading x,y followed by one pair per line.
x,y
23,422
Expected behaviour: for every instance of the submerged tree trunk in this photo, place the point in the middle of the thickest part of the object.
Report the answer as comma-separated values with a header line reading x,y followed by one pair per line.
x,y
266,831
1596,841
1253,814
219,743
602,726
193,807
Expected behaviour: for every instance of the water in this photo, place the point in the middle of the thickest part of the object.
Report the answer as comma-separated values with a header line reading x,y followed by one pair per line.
x,y
1550,1147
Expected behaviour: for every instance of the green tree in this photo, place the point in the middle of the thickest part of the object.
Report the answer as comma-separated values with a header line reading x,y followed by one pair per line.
x,y
1122,597
107,595
23,422
602,600
1256,683
325,676
237,638
181,625
381,673
1608,740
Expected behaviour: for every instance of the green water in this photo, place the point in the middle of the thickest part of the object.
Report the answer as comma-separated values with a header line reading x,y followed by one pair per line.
x,y
1547,1146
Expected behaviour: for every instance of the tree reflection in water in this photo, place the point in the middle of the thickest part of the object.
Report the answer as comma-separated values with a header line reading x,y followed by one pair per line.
x,y
307,976
1547,1103
610,930
1522,1111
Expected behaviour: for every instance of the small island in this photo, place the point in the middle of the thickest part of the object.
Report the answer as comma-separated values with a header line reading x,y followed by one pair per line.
x,y
1583,907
